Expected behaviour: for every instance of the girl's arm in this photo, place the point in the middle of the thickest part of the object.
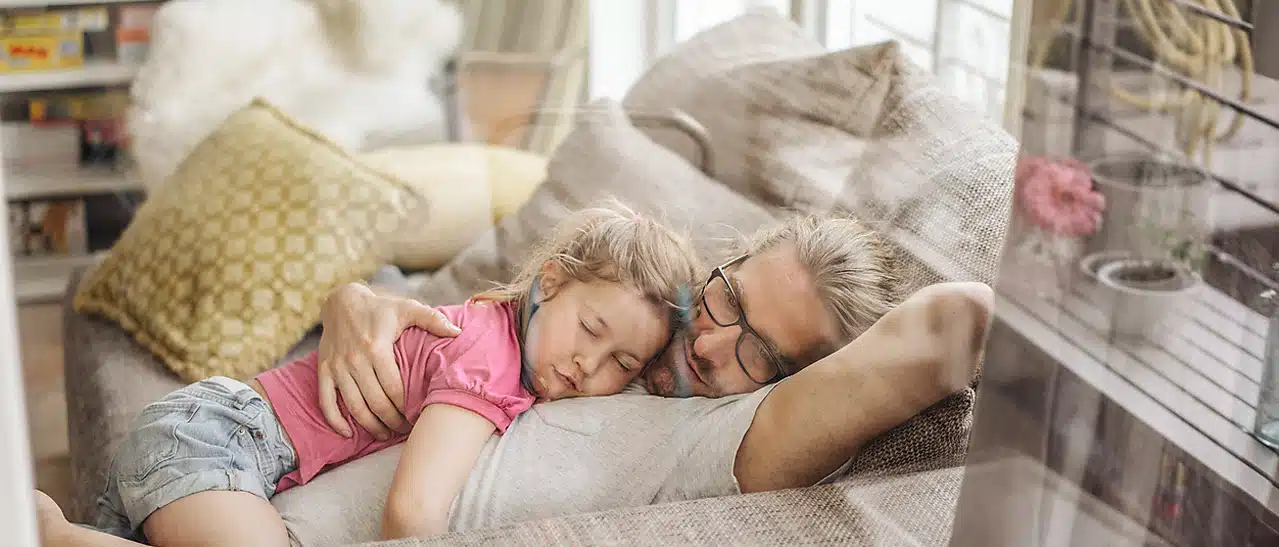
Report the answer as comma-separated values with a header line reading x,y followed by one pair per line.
x,y
437,459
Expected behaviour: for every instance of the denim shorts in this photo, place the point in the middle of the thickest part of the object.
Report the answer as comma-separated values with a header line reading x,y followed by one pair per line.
x,y
215,434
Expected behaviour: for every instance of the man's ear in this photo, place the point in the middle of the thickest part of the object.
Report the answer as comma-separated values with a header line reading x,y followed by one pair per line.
x,y
551,279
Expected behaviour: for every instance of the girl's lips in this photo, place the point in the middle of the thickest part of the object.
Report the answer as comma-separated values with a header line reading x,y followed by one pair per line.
x,y
566,380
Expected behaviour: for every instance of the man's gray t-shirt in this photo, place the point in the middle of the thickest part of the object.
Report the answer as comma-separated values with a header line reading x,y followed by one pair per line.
x,y
558,458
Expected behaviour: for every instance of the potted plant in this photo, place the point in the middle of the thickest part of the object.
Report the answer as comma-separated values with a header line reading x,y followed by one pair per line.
x,y
1158,209
1145,293
1054,209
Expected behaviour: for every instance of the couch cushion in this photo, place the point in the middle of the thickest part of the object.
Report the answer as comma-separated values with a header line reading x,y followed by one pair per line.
x,y
605,156
862,130
225,267
915,509
467,187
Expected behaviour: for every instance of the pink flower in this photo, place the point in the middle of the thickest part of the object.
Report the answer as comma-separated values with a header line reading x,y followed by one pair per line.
x,y
1057,195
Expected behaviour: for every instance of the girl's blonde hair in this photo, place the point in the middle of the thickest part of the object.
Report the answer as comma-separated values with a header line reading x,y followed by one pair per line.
x,y
611,243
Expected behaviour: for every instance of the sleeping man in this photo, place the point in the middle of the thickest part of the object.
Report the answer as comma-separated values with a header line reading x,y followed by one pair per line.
x,y
799,352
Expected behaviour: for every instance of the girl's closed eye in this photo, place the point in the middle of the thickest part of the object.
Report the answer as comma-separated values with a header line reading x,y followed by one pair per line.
x,y
587,328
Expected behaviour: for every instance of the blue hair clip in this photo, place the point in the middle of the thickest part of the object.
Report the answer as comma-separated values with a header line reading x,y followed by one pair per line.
x,y
526,322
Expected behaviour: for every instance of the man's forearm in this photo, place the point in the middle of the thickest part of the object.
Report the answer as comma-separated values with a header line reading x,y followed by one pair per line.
x,y
813,422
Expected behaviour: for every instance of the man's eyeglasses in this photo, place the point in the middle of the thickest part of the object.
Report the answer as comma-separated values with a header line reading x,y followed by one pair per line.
x,y
758,359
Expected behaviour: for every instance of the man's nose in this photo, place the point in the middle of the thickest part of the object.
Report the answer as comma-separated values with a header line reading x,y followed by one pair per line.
x,y
715,344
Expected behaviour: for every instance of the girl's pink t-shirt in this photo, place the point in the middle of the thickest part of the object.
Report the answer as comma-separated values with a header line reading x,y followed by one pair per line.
x,y
479,370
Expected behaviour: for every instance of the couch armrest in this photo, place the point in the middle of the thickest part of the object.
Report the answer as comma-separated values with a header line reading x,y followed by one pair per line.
x,y
109,378
909,509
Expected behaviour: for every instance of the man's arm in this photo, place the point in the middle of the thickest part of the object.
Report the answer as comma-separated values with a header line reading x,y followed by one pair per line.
x,y
914,356
436,461
356,356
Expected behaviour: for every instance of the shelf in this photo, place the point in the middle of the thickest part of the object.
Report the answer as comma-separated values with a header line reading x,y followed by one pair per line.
x,y
53,182
44,278
93,73
12,4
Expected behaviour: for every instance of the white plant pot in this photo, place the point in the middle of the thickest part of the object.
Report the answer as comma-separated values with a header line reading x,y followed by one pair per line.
x,y
1144,294
1152,206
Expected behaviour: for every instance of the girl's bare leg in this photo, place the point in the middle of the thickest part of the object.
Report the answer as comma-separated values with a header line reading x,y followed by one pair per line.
x,y
217,517
55,531
208,518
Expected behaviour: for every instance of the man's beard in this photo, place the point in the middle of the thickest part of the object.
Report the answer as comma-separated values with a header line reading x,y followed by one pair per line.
x,y
672,376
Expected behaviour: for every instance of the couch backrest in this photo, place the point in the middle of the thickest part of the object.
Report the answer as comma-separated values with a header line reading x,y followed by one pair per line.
x,y
863,131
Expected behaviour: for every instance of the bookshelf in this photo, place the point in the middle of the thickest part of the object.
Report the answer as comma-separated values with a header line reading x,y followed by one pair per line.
x,y
94,73
50,191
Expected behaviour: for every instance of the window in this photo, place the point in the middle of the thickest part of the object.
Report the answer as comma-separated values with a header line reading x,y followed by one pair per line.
x,y
967,43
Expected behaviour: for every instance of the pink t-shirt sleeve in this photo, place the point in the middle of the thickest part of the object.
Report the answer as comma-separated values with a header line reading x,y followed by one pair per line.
x,y
483,374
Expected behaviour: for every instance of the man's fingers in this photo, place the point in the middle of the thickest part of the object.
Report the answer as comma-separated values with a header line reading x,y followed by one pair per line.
x,y
329,405
359,409
371,387
427,318
388,374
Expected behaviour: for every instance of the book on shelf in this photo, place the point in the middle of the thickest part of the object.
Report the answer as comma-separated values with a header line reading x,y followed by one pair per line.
x,y
69,227
38,39
48,228
45,20
58,129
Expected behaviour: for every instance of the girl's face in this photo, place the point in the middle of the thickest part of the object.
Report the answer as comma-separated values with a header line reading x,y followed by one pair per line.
x,y
590,338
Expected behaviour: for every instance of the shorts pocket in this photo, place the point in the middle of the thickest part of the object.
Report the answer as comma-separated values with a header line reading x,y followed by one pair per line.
x,y
154,439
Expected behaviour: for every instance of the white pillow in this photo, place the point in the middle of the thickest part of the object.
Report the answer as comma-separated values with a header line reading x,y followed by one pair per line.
x,y
468,187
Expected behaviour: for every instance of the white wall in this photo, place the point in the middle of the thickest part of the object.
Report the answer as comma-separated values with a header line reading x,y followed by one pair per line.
x,y
17,524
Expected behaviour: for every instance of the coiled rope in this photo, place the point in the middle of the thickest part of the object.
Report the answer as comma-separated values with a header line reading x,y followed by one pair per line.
x,y
1200,49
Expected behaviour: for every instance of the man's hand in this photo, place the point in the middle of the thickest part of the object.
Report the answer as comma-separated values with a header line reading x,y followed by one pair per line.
x,y
357,359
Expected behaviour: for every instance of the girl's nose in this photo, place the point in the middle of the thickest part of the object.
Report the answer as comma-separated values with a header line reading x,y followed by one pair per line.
x,y
584,367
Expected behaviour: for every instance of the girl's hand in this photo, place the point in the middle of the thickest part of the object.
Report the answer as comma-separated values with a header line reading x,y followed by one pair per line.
x,y
357,359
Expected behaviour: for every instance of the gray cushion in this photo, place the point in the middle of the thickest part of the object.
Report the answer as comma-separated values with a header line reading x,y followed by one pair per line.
x,y
605,156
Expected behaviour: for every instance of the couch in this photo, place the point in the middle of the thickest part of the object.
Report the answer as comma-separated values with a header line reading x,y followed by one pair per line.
x,y
792,127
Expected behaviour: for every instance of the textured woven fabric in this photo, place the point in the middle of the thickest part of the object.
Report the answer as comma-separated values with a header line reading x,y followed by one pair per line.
x,y
225,266
906,510
605,156
930,171
862,131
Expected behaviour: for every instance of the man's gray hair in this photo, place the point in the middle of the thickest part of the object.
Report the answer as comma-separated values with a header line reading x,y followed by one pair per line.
x,y
853,268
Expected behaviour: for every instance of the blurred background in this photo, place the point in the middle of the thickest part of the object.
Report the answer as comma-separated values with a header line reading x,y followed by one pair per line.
x,y
1124,398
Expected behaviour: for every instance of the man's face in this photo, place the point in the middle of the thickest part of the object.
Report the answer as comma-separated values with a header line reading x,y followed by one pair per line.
x,y
777,296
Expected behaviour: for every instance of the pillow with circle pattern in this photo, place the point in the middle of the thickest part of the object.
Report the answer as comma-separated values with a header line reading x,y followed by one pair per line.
x,y
225,267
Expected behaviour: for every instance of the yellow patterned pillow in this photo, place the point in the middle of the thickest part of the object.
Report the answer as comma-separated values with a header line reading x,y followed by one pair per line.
x,y
226,265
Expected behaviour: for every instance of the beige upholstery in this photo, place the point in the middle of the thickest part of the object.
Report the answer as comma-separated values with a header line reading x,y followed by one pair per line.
x,y
605,157
931,171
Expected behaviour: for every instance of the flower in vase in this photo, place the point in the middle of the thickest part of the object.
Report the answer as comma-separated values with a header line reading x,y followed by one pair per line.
x,y
1057,195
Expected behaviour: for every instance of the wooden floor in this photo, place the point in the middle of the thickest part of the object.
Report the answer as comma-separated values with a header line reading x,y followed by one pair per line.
x,y
40,331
